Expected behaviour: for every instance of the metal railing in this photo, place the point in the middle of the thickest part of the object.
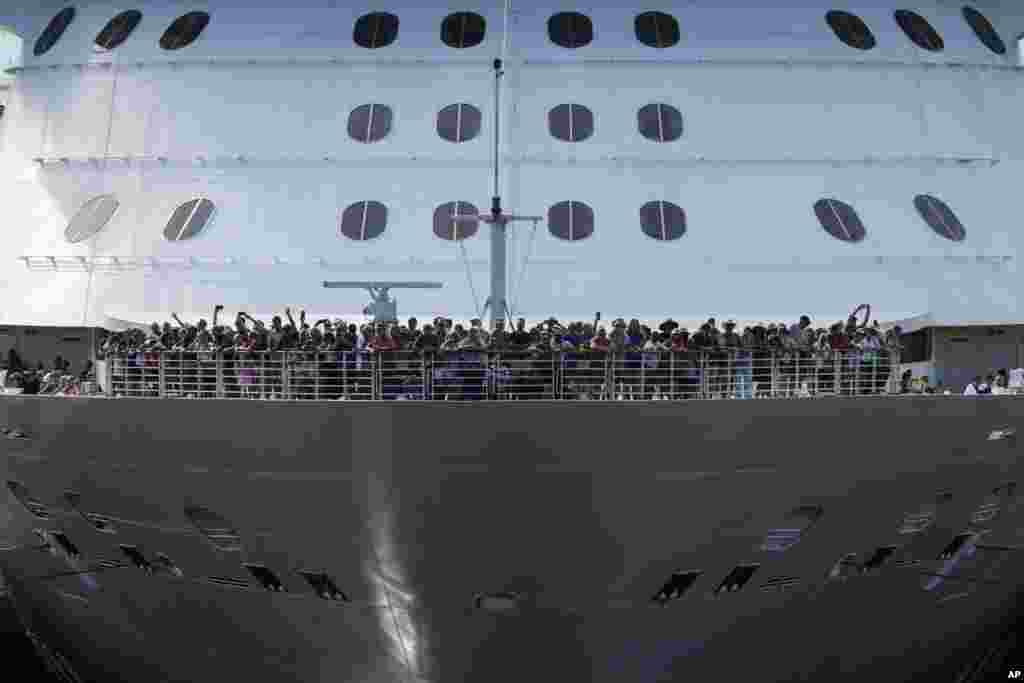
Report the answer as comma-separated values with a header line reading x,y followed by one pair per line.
x,y
489,375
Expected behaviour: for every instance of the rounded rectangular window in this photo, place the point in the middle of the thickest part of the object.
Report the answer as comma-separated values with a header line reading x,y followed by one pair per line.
x,y
53,31
117,30
363,221
463,29
369,122
91,218
570,29
571,221
850,29
571,122
660,122
448,229
458,122
940,217
188,220
983,28
839,220
184,30
374,30
662,221
919,30
656,29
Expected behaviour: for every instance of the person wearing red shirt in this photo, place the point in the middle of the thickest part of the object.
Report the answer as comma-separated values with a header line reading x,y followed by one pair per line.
x,y
680,341
384,341
601,341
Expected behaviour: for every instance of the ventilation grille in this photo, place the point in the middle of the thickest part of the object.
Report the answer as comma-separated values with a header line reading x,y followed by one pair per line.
x,y
323,585
266,578
879,558
676,586
220,532
228,582
780,583
136,557
98,522
737,578
33,505
797,522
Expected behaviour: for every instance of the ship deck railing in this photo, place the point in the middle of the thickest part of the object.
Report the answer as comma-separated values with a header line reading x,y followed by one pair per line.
x,y
472,375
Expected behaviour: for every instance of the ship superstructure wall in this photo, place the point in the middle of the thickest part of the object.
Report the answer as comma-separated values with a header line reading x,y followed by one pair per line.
x,y
254,116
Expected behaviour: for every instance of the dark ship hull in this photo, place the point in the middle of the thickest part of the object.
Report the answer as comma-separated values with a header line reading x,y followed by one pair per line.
x,y
511,541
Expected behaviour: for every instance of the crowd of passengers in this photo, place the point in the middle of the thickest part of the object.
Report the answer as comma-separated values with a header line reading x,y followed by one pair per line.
x,y
249,334
713,360
58,379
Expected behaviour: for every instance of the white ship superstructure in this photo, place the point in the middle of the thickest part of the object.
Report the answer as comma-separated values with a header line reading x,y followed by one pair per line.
x,y
738,159
763,110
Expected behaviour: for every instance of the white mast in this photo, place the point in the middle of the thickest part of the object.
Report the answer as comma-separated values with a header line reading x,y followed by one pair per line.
x,y
497,302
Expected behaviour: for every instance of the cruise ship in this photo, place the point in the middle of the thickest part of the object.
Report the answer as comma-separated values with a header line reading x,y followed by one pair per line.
x,y
744,159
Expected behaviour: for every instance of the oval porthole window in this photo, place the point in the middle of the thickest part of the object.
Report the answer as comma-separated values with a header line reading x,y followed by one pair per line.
x,y
571,221
570,29
377,29
571,122
369,122
364,221
660,122
662,220
53,31
458,122
184,30
940,218
117,30
656,29
850,29
839,220
448,229
919,30
91,218
463,29
188,220
983,28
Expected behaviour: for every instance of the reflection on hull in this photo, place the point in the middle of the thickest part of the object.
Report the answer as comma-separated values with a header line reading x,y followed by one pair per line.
x,y
381,542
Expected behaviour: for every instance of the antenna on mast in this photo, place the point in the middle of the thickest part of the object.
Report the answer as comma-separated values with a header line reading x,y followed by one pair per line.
x,y
497,302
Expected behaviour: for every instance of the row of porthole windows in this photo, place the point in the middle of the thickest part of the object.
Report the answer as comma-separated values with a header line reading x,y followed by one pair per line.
x,y
182,32
568,220
568,122
565,29
852,30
